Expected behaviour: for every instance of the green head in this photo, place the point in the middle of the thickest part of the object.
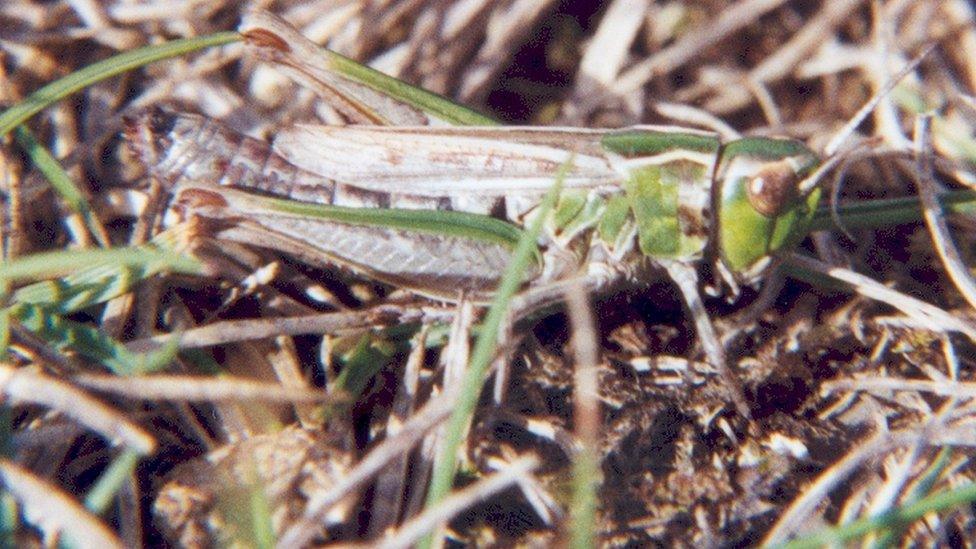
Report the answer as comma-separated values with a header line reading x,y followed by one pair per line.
x,y
760,210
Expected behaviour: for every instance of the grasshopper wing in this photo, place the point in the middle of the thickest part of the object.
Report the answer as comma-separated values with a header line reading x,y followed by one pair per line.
x,y
449,162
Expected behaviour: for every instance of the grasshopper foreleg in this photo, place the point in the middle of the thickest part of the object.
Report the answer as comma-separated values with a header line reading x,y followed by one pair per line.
x,y
685,278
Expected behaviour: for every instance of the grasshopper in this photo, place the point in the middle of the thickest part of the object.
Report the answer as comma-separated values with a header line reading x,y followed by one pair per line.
x,y
425,195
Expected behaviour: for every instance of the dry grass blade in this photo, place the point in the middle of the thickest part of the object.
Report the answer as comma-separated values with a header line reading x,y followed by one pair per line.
x,y
734,18
408,534
22,385
795,517
456,360
586,416
886,385
231,331
391,485
504,31
198,389
934,218
287,368
55,511
608,50
925,314
862,402
696,117
785,59
428,417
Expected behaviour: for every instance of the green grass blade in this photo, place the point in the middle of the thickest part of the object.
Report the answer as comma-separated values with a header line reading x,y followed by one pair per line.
x,y
90,342
9,511
110,482
123,62
87,288
895,518
870,214
262,532
9,519
63,185
4,331
586,476
52,264
484,348
244,509
370,354
101,280
922,487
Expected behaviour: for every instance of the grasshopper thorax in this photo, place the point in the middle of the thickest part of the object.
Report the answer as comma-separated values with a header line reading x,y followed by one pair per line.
x,y
760,209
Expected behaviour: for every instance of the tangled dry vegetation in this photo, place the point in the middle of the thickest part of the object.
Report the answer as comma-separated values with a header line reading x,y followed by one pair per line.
x,y
857,365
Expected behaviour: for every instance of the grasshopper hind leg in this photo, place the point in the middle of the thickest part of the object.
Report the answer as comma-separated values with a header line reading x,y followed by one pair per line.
x,y
685,277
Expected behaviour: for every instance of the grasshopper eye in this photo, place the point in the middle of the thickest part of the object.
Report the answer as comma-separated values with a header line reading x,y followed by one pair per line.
x,y
760,209
774,188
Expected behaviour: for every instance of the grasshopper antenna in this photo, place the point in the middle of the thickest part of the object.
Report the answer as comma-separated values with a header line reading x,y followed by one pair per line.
x,y
833,157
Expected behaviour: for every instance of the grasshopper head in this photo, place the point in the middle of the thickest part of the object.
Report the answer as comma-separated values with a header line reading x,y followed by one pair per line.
x,y
760,210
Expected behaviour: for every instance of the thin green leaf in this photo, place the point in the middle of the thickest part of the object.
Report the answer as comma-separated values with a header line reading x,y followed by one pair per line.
x,y
87,262
922,487
110,482
262,533
9,519
62,183
90,342
101,282
245,511
869,214
4,331
484,348
369,356
118,64
586,475
898,517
